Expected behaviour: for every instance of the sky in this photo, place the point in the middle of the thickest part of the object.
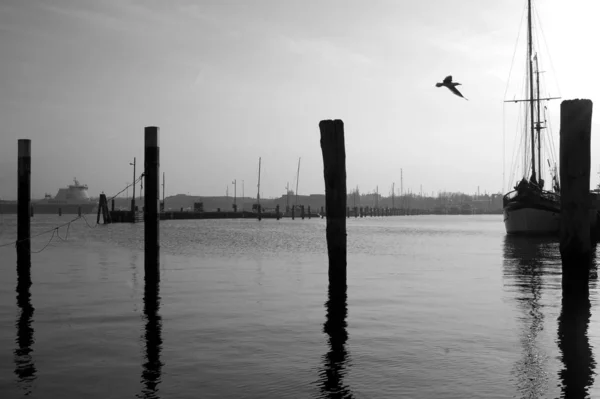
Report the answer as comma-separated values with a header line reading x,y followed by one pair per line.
x,y
228,82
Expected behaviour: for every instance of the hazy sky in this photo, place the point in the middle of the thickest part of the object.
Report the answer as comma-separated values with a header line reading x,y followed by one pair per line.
x,y
229,82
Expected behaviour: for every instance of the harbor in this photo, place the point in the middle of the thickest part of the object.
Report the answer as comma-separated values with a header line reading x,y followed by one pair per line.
x,y
279,201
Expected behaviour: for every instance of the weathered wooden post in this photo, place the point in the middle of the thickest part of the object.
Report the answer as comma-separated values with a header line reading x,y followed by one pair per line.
x,y
99,209
334,171
302,211
293,211
575,139
24,201
25,332
277,212
309,212
59,211
151,213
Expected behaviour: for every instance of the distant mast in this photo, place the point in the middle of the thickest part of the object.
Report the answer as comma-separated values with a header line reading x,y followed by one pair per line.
x,y
297,180
258,194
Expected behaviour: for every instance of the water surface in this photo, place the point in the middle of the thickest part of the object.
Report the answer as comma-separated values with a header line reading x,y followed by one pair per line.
x,y
435,306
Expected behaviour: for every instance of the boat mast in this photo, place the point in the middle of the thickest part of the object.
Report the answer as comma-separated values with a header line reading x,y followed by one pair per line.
x,y
538,124
531,99
258,194
297,179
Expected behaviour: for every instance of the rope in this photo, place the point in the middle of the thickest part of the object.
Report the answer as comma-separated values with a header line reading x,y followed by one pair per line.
x,y
55,229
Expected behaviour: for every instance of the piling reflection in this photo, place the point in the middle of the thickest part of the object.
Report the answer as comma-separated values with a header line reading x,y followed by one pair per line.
x,y
152,367
24,365
577,374
336,361
528,261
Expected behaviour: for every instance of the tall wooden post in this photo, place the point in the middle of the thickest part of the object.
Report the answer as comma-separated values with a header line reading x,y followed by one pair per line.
x,y
24,199
151,213
334,171
309,212
575,139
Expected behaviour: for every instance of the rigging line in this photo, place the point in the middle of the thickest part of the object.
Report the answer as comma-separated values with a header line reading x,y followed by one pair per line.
x,y
53,230
518,142
548,51
135,182
39,234
45,246
66,235
86,222
514,52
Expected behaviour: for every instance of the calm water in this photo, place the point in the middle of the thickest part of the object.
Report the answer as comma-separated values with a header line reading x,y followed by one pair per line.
x,y
437,306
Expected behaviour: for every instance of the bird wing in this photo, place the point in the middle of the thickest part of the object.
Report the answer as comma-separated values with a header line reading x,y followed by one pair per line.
x,y
454,90
448,79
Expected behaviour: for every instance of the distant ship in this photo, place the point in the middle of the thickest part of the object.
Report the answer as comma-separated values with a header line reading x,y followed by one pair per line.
x,y
68,199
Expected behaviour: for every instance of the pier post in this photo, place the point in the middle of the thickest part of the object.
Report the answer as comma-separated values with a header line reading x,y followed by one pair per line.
x,y
151,213
575,139
293,211
302,211
334,171
24,208
309,212
277,212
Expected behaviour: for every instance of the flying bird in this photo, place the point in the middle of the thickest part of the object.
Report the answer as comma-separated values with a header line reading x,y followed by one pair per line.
x,y
451,86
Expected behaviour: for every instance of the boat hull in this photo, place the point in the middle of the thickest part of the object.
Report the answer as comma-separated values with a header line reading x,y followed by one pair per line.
x,y
528,220
537,221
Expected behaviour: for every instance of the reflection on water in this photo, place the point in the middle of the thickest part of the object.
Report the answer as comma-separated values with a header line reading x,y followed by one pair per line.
x,y
24,366
532,265
151,374
335,362
577,375
527,260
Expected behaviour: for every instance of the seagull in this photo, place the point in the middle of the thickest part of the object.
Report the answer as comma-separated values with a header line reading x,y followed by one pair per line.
x,y
450,85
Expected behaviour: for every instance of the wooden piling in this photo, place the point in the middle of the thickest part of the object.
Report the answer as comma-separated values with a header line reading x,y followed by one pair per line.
x,y
151,207
24,209
302,211
59,211
277,212
309,212
293,211
575,139
334,171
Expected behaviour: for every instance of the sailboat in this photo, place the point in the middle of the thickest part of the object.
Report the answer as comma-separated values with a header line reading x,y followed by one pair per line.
x,y
529,208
